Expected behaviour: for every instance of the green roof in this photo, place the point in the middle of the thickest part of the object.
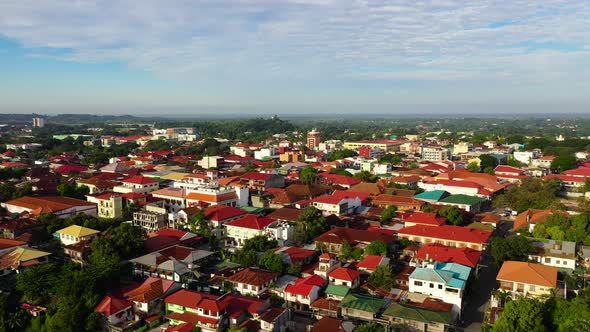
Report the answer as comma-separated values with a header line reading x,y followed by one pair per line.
x,y
362,302
337,290
462,199
418,314
252,209
432,195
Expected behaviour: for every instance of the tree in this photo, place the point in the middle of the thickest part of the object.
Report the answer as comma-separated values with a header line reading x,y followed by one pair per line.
x,y
200,225
389,213
308,175
514,248
532,193
382,277
246,257
341,154
390,158
521,315
129,210
294,269
487,160
71,190
315,222
128,240
369,327
260,243
453,215
473,167
569,316
366,176
51,221
271,261
564,162
378,248
345,251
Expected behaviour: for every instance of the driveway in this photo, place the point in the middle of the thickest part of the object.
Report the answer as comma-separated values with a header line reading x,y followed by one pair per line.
x,y
477,300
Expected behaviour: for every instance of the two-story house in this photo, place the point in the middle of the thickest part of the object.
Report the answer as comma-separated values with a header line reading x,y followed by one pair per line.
x,y
527,279
304,291
326,264
110,206
343,276
336,204
75,233
446,281
203,311
137,184
560,254
239,230
253,281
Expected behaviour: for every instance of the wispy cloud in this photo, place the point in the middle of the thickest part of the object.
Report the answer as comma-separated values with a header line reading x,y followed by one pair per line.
x,y
227,40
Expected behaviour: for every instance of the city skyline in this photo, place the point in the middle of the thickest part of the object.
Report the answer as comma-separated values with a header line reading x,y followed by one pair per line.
x,y
294,56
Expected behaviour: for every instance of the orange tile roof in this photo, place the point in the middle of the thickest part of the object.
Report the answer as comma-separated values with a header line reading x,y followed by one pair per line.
x,y
533,216
253,276
528,273
211,197
48,204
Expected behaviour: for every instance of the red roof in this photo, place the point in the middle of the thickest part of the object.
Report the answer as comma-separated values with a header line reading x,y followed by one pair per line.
x,y
106,197
151,289
196,300
352,236
138,179
370,262
447,232
443,254
330,199
133,196
426,218
68,169
296,254
339,179
111,305
192,318
304,286
222,212
256,176
456,183
566,178
348,193
251,221
580,171
343,273
508,169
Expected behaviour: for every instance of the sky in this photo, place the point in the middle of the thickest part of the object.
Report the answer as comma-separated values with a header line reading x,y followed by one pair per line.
x,y
294,56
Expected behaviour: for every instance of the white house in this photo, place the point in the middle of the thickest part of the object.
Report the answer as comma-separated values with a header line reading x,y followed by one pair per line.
x,y
327,264
305,291
252,281
239,230
525,157
336,204
560,254
74,234
446,282
137,184
343,276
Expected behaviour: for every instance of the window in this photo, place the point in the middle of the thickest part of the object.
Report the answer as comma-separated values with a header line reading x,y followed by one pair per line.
x,y
564,262
557,261
431,285
547,260
532,288
417,283
439,286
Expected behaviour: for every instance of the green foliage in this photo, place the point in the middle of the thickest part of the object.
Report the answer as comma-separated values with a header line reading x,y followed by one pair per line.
x,y
378,248
341,154
246,257
158,145
389,213
569,316
128,240
345,251
453,215
260,243
308,175
366,176
294,269
315,222
473,167
129,210
369,327
382,277
564,162
514,248
532,193
271,261
390,158
487,160
199,224
71,190
575,228
521,315
340,171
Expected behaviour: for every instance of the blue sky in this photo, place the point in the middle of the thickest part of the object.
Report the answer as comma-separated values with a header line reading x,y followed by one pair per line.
x,y
308,56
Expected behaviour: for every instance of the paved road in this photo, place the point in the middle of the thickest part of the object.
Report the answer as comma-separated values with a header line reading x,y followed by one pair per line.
x,y
479,295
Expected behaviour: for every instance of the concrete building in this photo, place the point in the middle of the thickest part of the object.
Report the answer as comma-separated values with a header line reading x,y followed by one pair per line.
x,y
313,139
38,122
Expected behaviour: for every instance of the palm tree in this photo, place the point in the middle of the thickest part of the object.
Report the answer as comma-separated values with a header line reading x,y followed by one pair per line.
x,y
502,296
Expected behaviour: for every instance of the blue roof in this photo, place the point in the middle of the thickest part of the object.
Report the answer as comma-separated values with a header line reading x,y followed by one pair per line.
x,y
433,195
452,274
460,271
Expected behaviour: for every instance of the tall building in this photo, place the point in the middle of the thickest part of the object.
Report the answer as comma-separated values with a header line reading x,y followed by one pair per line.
x,y
313,139
38,122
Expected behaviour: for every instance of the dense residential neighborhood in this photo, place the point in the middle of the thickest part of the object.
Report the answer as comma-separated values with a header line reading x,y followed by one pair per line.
x,y
169,229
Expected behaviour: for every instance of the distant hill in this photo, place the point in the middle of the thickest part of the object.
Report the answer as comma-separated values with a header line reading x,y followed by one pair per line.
x,y
75,118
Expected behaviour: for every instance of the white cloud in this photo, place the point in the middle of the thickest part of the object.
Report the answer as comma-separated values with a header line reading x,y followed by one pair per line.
x,y
306,39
